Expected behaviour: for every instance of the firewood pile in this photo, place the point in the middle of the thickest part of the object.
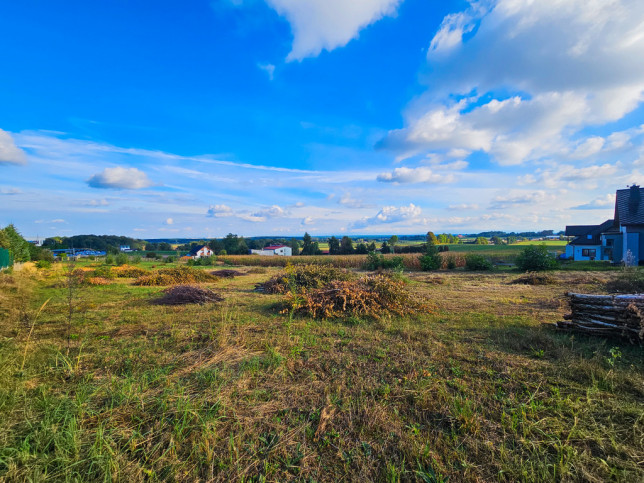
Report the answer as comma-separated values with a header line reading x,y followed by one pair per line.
x,y
608,315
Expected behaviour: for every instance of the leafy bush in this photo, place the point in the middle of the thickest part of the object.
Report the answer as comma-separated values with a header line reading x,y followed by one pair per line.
x,y
150,255
170,259
477,262
431,260
136,259
97,281
121,259
535,258
43,264
175,276
104,271
376,261
303,277
451,262
373,296
187,294
109,260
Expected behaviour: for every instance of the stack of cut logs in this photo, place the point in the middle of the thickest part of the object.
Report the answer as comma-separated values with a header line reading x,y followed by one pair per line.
x,y
614,315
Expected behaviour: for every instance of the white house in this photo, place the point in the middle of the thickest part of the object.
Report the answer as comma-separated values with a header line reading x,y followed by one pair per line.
x,y
125,248
200,251
274,250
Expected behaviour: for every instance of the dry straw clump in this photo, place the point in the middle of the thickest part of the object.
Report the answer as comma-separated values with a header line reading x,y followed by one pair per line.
x,y
227,273
535,278
372,296
303,277
98,281
187,294
175,276
128,271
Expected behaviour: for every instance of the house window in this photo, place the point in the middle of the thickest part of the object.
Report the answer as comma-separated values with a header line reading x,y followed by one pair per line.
x,y
590,237
587,252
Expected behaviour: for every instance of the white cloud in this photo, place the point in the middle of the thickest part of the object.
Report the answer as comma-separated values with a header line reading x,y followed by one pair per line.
x,y
308,221
520,198
327,24
269,69
463,207
169,221
9,152
220,211
120,178
271,212
601,203
415,175
569,64
350,202
391,214
101,202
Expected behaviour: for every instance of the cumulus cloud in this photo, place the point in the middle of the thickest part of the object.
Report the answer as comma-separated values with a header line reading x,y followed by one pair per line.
x,y
391,214
601,203
270,212
570,175
567,65
308,221
328,24
120,178
220,211
169,221
415,175
9,152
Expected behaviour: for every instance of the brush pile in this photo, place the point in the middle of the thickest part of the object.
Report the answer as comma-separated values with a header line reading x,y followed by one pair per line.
x,y
372,296
609,315
175,276
227,273
303,277
187,294
128,271
535,278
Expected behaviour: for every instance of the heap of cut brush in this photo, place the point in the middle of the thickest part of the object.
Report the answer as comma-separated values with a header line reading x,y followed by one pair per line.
x,y
608,315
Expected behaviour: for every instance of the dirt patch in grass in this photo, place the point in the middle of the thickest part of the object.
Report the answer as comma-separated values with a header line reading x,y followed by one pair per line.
x,y
536,278
227,273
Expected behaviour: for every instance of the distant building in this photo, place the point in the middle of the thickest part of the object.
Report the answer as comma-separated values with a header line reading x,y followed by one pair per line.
x,y
200,251
125,248
78,252
274,250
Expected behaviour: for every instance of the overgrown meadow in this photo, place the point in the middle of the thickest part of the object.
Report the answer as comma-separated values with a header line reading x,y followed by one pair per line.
x,y
98,383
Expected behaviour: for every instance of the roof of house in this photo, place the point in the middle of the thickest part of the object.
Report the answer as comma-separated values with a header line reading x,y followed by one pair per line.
x,y
274,247
583,231
629,206
196,249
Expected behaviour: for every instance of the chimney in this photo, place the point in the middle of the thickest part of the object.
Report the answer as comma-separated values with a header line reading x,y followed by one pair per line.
x,y
634,199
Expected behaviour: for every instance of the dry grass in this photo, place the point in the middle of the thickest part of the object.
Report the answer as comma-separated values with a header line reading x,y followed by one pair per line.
x,y
187,294
175,276
480,390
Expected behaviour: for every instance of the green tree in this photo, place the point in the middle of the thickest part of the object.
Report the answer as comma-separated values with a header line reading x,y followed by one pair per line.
x,y
431,238
481,240
295,246
535,258
372,247
385,248
497,240
393,240
346,246
334,246
431,260
361,249
18,246
308,247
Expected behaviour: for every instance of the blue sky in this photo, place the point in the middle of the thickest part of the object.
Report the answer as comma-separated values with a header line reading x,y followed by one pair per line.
x,y
275,117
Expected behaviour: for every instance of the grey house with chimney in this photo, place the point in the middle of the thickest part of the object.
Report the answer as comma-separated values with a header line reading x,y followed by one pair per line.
x,y
620,240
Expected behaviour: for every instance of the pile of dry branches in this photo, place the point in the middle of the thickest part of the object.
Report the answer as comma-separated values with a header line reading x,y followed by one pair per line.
x,y
187,294
613,315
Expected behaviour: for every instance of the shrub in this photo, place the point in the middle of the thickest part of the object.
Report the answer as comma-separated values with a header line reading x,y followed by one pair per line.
x,y
431,260
187,294
477,262
451,262
303,277
150,255
170,259
121,259
373,296
104,271
535,258
135,259
175,276
109,260
376,261
43,264
97,281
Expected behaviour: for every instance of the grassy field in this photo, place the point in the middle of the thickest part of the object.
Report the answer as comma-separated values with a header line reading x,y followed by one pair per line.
x,y
479,390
